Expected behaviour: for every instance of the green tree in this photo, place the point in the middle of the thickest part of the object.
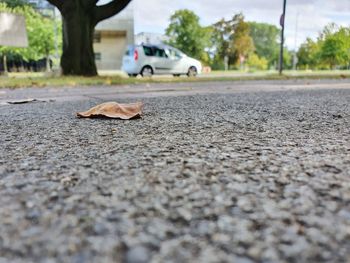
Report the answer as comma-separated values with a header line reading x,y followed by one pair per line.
x,y
266,40
231,39
186,34
79,20
330,50
40,32
243,44
14,3
335,49
308,54
257,63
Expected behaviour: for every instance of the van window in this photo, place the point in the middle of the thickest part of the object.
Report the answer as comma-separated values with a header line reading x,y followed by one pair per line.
x,y
174,54
160,53
148,51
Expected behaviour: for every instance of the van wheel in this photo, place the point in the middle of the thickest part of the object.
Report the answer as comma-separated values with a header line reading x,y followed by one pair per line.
x,y
192,72
147,71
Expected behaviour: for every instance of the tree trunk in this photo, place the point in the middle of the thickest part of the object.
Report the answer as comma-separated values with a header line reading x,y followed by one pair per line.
x,y
79,20
48,68
4,59
78,28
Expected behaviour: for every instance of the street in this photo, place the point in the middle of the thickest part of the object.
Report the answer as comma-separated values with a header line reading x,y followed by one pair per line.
x,y
255,171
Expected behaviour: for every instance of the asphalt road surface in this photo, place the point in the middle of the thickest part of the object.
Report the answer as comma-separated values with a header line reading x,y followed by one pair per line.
x,y
212,172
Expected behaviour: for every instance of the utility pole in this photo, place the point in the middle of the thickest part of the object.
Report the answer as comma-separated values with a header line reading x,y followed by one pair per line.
x,y
282,20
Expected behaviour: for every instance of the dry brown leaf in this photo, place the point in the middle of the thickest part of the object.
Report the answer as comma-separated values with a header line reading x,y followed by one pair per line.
x,y
114,110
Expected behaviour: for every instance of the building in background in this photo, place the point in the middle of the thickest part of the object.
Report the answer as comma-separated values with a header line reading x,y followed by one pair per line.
x,y
150,38
111,39
43,6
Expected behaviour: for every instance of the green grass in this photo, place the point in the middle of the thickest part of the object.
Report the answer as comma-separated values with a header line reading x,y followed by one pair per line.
x,y
22,80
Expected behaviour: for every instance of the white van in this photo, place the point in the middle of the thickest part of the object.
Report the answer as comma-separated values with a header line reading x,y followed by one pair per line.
x,y
159,59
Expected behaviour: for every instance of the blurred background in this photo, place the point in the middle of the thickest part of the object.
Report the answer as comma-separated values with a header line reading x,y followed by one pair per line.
x,y
232,37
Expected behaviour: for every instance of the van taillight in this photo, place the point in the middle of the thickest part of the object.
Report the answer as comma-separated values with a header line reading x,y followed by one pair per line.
x,y
136,55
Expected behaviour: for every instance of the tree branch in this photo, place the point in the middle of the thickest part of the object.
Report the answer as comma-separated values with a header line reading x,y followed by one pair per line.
x,y
57,3
108,10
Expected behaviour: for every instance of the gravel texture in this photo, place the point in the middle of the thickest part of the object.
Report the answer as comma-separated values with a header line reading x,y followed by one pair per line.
x,y
251,177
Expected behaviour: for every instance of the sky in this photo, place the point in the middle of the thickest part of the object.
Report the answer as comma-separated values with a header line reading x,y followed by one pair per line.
x,y
311,15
